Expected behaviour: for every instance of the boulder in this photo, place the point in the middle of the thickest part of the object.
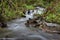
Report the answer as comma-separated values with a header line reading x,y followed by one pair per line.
x,y
32,23
3,25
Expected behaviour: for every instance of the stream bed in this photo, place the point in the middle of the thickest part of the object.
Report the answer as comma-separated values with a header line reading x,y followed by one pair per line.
x,y
21,32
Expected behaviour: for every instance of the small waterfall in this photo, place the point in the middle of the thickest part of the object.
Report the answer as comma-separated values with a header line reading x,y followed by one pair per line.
x,y
37,10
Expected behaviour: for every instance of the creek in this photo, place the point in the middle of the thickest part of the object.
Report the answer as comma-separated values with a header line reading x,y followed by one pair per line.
x,y
21,32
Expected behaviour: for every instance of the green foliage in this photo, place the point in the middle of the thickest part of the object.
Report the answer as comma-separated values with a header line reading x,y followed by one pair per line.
x,y
15,8
54,16
28,6
51,17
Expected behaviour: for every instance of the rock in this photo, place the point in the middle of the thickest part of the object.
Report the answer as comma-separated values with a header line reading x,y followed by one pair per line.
x,y
58,33
0,24
24,12
32,23
28,11
37,25
51,24
27,23
3,25
23,16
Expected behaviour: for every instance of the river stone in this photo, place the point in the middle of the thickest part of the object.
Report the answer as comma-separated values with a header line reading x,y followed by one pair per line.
x,y
3,25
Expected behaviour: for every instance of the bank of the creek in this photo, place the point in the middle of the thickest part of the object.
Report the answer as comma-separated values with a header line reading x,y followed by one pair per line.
x,y
19,31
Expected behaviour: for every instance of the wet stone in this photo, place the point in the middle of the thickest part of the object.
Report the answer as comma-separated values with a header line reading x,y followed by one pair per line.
x,y
3,25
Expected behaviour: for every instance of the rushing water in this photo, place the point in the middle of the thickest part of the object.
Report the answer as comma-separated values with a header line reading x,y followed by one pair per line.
x,y
38,10
21,32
